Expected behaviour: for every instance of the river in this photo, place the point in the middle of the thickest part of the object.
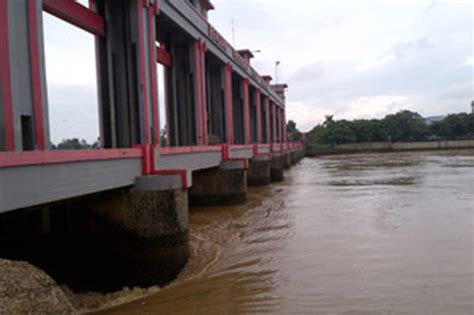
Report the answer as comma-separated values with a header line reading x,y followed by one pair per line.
x,y
347,234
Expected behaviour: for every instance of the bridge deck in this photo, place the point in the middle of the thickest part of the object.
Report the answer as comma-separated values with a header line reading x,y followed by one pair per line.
x,y
39,177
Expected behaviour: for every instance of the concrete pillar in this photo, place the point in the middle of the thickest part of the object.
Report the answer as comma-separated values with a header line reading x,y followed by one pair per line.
x,y
259,172
277,169
23,93
258,104
267,120
274,123
198,91
287,161
144,233
221,186
294,157
229,117
247,135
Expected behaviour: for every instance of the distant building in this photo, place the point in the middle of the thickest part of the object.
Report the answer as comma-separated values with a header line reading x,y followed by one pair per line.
x,y
472,107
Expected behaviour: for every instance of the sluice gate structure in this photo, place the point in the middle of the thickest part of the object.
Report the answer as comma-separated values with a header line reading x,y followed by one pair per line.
x,y
117,211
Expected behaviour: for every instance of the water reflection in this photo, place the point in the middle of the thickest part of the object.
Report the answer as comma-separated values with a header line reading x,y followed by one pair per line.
x,y
364,234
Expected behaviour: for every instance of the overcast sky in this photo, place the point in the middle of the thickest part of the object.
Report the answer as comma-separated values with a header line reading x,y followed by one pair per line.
x,y
353,59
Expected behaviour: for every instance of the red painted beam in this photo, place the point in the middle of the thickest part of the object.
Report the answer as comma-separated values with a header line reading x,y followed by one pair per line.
x,y
204,92
241,147
198,90
153,75
189,149
16,159
5,80
142,71
36,75
163,57
76,14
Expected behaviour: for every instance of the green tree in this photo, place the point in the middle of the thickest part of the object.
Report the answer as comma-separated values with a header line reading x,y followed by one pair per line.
x,y
454,126
402,126
331,131
368,130
405,126
74,144
293,133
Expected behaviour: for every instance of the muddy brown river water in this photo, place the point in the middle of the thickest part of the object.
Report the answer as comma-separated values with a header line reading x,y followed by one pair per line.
x,y
348,234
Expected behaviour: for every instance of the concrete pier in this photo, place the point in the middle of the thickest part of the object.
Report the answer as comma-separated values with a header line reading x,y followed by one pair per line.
x,y
145,234
277,169
294,158
105,241
259,172
220,186
287,161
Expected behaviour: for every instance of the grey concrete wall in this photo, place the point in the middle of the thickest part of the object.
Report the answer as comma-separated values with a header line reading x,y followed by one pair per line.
x,y
444,144
287,161
2,122
29,186
259,173
218,187
20,66
190,162
277,169
397,146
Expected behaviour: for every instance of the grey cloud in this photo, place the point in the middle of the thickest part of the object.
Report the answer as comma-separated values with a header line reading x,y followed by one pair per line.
x,y
432,6
73,112
402,49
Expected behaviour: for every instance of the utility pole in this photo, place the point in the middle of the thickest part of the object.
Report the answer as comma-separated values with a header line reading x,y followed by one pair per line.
x,y
233,33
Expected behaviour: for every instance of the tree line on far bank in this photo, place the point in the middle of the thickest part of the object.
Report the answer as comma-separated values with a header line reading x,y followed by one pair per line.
x,y
404,126
74,144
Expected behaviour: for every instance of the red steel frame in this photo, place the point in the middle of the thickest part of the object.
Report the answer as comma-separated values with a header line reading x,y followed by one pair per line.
x,y
163,57
258,104
198,90
204,92
153,75
247,137
228,104
5,78
76,14
189,149
146,152
141,5
15,159
35,75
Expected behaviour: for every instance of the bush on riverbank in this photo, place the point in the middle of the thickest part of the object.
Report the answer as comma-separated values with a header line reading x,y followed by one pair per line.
x,y
404,126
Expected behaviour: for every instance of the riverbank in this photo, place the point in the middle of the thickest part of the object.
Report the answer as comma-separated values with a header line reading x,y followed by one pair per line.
x,y
391,147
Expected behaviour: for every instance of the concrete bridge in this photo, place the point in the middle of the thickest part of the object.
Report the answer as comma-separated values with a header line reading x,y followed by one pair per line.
x,y
225,130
